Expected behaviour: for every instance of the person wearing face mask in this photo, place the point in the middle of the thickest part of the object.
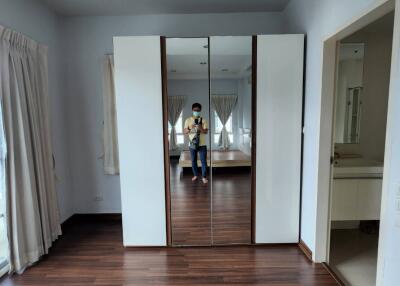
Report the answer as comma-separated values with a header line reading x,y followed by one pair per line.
x,y
196,128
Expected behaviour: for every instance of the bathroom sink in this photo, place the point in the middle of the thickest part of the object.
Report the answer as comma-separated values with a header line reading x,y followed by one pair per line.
x,y
358,168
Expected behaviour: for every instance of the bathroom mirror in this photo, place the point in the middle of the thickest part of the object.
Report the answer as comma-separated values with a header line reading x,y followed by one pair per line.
x,y
231,133
349,93
190,193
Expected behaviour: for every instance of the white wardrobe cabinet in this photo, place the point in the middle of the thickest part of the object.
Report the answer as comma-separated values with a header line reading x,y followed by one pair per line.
x,y
138,92
279,127
141,149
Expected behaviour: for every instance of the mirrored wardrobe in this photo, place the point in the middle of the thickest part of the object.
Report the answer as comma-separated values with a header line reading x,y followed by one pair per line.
x,y
208,86
224,97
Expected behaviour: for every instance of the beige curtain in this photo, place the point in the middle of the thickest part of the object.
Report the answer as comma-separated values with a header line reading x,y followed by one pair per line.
x,y
224,105
110,136
32,208
175,107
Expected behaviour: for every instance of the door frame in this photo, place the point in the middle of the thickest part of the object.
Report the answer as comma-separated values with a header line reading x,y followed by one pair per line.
x,y
164,77
253,137
165,139
326,146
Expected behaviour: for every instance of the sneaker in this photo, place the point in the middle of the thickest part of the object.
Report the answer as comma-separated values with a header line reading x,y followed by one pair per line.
x,y
194,179
205,181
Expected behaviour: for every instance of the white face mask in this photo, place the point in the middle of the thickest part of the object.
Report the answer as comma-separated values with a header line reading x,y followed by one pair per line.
x,y
196,113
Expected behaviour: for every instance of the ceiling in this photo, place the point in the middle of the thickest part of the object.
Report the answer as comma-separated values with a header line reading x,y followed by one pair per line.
x,y
140,7
383,25
230,57
352,47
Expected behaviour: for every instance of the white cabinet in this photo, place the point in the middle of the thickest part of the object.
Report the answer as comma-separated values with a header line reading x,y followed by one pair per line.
x,y
356,199
344,199
139,99
369,198
279,113
138,84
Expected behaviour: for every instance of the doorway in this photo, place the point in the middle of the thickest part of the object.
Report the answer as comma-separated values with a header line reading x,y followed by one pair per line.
x,y
209,202
359,132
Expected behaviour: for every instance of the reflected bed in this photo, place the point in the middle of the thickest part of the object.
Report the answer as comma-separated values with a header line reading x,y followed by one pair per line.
x,y
230,158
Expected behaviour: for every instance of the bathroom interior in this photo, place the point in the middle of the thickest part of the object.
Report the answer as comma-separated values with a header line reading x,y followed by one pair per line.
x,y
362,89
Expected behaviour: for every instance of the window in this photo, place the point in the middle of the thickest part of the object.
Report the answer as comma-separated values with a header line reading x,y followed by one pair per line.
x,y
218,128
179,130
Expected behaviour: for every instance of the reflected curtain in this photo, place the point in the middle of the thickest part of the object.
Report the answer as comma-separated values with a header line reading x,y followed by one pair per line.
x,y
175,107
224,105
32,205
110,137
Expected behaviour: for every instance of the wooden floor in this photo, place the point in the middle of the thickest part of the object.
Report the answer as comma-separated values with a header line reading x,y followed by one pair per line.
x,y
202,217
92,254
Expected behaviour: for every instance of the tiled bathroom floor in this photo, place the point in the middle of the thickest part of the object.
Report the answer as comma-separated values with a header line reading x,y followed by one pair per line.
x,y
353,256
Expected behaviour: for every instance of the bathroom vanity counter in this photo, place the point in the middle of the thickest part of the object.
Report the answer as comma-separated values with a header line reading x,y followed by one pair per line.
x,y
357,189
357,168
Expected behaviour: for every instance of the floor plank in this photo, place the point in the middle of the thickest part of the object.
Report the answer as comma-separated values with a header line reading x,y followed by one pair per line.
x,y
91,253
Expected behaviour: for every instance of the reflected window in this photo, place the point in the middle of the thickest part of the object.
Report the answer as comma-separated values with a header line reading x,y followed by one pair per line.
x,y
218,128
179,130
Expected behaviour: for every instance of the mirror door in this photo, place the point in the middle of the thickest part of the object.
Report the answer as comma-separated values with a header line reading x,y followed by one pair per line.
x,y
188,115
231,126
210,118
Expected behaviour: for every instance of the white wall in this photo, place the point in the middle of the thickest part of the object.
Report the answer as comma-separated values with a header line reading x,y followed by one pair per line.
x,y
245,104
87,39
245,111
389,250
36,21
318,19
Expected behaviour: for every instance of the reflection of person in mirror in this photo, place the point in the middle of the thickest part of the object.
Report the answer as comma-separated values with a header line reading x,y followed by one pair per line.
x,y
196,128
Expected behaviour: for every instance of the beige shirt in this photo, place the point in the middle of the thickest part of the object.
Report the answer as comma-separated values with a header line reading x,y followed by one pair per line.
x,y
189,122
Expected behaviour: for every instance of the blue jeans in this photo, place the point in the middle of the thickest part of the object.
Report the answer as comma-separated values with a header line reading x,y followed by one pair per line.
x,y
202,150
